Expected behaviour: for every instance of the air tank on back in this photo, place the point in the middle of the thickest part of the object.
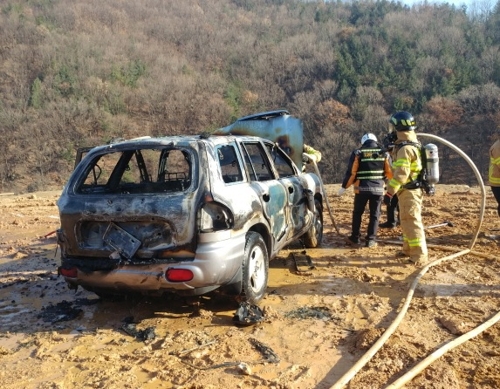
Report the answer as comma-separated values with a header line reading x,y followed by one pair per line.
x,y
432,163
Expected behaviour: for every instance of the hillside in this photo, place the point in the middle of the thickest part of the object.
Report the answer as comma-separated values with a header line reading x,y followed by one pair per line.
x,y
77,73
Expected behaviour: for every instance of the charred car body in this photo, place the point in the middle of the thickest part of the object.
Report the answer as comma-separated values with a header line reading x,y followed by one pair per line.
x,y
187,214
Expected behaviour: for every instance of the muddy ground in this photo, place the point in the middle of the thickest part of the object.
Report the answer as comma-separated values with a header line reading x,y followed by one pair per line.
x,y
319,320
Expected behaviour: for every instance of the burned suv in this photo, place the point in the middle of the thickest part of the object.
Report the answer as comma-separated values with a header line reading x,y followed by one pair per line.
x,y
188,214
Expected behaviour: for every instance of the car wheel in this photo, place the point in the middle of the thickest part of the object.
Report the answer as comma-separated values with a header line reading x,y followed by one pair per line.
x,y
255,269
314,236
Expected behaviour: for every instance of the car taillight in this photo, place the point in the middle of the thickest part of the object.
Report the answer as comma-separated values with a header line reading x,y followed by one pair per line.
x,y
213,217
179,275
72,272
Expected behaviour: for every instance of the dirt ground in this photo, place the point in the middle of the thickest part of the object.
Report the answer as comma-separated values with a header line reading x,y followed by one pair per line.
x,y
320,318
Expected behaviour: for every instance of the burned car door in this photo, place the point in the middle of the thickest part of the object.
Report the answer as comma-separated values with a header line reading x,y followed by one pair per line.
x,y
272,193
297,198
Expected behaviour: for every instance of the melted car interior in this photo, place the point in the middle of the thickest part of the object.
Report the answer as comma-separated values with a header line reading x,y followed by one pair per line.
x,y
138,171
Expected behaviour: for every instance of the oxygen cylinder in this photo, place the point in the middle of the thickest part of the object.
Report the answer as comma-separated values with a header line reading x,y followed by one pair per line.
x,y
432,163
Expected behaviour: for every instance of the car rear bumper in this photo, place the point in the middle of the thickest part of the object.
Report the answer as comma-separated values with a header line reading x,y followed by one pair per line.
x,y
217,260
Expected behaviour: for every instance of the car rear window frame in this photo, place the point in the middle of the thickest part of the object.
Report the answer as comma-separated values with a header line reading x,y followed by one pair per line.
x,y
174,182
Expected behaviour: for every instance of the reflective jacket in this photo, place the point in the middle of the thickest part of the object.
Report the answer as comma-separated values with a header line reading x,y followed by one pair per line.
x,y
368,168
311,151
494,171
407,162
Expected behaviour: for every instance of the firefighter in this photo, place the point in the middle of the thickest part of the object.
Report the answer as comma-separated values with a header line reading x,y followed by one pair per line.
x,y
392,209
367,171
311,154
392,212
494,172
406,166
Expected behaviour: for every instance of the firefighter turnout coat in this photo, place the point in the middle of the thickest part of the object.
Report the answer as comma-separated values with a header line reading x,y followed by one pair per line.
x,y
406,166
494,171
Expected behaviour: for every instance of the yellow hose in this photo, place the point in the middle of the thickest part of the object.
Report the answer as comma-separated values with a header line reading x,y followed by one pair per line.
x,y
313,161
388,332
476,173
441,351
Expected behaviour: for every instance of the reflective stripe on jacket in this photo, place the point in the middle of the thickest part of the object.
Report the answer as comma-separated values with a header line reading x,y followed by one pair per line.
x,y
494,170
368,169
371,164
407,162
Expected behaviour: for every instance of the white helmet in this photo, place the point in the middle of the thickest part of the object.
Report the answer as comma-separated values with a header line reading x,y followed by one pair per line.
x,y
368,136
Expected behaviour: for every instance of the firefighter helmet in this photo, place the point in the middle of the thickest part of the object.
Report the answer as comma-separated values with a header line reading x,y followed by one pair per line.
x,y
402,121
368,136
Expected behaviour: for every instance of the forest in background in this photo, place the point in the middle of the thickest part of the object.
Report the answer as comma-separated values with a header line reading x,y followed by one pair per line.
x,y
77,73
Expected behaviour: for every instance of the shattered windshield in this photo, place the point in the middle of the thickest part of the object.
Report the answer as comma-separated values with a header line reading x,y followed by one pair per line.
x,y
138,171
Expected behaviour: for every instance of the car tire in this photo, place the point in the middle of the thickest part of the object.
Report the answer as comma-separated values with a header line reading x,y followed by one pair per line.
x,y
314,236
255,269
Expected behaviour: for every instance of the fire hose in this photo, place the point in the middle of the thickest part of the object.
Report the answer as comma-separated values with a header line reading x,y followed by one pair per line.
x,y
439,352
313,161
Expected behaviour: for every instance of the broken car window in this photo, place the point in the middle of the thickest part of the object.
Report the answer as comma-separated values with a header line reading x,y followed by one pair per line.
x,y
281,162
138,171
229,165
255,161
